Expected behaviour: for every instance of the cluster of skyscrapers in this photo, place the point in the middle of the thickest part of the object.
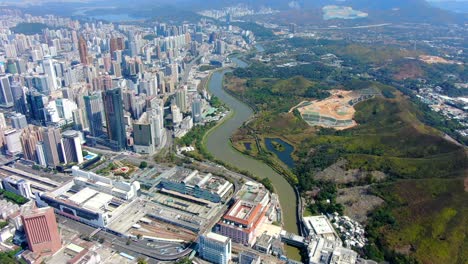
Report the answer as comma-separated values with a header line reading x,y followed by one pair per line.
x,y
115,86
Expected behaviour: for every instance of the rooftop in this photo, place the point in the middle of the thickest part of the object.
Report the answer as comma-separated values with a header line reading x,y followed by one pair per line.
x,y
243,212
217,237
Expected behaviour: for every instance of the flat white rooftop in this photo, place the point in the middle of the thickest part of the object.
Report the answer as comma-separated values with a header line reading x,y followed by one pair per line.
x,y
320,224
217,237
97,202
83,195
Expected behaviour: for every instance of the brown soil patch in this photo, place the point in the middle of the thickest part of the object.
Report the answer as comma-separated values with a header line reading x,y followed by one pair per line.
x,y
410,70
358,202
337,173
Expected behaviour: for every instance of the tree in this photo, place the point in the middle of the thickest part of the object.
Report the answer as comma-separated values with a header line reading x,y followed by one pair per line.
x,y
143,164
184,260
141,260
139,236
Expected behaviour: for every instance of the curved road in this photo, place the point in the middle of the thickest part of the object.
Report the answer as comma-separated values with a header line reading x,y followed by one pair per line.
x,y
218,143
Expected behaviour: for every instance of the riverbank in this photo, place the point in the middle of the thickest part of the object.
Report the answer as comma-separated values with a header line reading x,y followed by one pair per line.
x,y
218,144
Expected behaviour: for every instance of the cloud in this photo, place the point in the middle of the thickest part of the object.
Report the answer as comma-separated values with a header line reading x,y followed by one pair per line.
x,y
294,5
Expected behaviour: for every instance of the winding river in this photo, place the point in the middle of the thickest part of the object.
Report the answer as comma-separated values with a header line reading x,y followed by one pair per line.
x,y
218,143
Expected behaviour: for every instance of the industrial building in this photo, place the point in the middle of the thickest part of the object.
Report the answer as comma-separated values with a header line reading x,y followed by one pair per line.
x,y
207,187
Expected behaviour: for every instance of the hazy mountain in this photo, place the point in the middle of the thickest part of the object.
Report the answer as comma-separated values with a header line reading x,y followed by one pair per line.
x,y
298,11
454,6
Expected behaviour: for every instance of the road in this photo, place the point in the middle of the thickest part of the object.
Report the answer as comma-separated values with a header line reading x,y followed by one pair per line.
x,y
142,247
189,68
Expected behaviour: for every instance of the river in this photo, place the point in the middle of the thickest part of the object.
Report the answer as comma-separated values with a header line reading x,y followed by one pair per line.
x,y
218,144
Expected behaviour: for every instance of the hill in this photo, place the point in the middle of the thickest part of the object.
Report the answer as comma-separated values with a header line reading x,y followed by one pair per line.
x,y
424,218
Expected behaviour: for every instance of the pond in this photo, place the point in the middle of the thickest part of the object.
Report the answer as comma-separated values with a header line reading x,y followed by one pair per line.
x,y
281,149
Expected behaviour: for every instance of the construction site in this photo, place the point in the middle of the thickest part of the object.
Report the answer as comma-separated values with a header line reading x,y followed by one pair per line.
x,y
337,111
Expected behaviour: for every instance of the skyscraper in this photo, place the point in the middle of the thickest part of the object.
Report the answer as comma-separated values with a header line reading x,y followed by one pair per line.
x,y
143,135
83,50
197,109
40,226
181,99
41,160
72,146
113,107
29,138
18,121
94,114
13,142
49,70
19,98
6,98
36,103
176,114
53,146
215,248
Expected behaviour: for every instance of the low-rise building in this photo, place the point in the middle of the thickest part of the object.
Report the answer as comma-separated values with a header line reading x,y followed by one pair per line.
x,y
319,225
90,198
18,186
207,187
247,257
263,243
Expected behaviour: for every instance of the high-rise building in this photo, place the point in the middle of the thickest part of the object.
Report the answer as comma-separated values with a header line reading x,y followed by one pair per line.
x,y
215,248
36,104
2,121
41,159
65,108
41,84
53,148
72,146
29,138
13,142
113,107
83,50
181,99
19,98
176,114
220,47
116,69
40,226
6,97
112,46
10,51
49,70
94,114
79,122
197,109
18,121
143,132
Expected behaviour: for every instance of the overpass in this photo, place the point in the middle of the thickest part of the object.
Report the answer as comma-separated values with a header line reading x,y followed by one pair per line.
x,y
293,239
